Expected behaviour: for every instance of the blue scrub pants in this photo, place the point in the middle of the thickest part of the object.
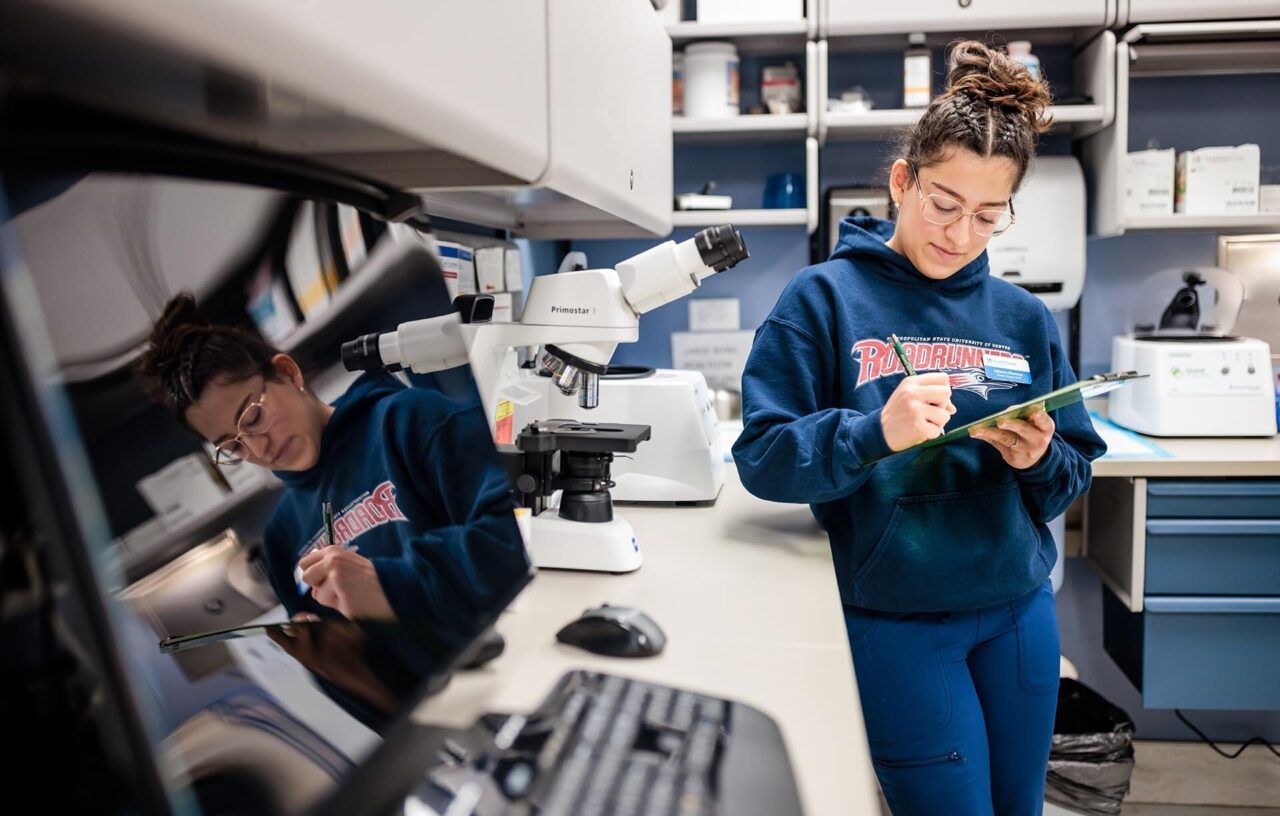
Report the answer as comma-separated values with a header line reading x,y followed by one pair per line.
x,y
959,706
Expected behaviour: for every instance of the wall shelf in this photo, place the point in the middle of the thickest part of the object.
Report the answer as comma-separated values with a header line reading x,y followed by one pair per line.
x,y
756,128
1220,223
750,38
744,128
878,124
1170,50
741,218
1094,74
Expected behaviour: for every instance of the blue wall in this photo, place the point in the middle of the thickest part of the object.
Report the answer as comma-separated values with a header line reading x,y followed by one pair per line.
x,y
1183,113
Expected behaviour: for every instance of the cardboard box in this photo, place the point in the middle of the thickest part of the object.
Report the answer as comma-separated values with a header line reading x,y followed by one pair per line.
x,y
489,269
458,264
181,490
513,269
1218,181
502,307
1269,198
1149,177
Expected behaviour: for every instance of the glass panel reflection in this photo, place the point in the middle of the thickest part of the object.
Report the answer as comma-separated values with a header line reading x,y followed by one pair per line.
x,y
365,545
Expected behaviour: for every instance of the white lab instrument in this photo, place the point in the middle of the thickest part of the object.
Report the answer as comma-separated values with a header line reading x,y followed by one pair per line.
x,y
1044,252
682,463
578,317
1203,380
1200,385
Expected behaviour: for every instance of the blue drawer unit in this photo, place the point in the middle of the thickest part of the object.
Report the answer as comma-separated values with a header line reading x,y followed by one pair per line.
x,y
1213,498
1203,566
1198,652
1233,556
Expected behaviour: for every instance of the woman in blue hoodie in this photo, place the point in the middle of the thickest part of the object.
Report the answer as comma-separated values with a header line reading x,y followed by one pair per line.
x,y
423,525
942,556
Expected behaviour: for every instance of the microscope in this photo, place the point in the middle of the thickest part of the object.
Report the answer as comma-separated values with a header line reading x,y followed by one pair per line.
x,y
579,317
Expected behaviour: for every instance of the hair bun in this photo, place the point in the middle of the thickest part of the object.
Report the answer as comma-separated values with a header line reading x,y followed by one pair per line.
x,y
179,313
168,345
993,79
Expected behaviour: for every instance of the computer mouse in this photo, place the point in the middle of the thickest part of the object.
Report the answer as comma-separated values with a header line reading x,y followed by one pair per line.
x,y
616,631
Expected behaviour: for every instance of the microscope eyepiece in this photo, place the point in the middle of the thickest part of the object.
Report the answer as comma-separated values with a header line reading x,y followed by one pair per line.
x,y
362,354
721,247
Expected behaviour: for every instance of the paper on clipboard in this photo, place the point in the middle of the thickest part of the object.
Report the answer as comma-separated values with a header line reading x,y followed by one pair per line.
x,y
1079,391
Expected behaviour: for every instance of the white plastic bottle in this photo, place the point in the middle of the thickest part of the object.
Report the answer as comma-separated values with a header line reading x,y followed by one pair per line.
x,y
1020,51
711,80
917,73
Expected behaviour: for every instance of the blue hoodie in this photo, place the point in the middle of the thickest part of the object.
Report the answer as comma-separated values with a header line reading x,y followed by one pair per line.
x,y
943,529
416,487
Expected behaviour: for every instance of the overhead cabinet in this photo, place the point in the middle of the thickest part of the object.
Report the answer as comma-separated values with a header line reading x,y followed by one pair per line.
x,y
858,17
527,115
1157,11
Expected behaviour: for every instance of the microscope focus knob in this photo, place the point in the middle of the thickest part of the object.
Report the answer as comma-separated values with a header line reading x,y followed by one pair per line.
x,y
526,483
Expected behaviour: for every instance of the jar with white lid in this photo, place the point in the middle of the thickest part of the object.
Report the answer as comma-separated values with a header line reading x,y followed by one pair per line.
x,y
711,80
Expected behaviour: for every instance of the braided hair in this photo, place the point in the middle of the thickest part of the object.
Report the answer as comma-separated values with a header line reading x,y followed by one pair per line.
x,y
185,353
992,106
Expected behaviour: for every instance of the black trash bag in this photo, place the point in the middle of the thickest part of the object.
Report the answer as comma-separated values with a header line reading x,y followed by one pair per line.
x,y
1091,760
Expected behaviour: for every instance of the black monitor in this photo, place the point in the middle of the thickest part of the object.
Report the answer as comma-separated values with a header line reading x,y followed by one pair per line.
x,y
304,717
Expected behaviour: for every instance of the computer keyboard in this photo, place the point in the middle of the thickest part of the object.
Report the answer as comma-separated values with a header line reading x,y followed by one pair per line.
x,y
604,745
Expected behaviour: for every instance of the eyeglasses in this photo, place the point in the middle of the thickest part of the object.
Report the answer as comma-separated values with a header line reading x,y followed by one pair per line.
x,y
252,421
942,211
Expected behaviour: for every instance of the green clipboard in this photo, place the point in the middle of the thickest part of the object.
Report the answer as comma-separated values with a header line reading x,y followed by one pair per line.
x,y
184,642
1079,391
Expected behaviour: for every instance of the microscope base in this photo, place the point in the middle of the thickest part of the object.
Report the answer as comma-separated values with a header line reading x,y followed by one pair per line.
x,y
558,543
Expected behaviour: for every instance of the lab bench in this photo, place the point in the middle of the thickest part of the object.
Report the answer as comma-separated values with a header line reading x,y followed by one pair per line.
x,y
1188,546
745,591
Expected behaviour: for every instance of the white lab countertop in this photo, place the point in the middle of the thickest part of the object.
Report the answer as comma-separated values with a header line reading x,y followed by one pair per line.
x,y
1191,457
1208,457
746,593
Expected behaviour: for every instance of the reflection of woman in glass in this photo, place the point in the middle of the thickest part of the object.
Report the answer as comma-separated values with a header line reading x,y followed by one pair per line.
x,y
422,525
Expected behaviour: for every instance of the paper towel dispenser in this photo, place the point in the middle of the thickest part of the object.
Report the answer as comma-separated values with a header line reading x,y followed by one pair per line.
x,y
1044,252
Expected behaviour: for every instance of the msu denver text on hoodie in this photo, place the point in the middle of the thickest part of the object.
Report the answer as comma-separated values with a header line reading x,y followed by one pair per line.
x,y
942,529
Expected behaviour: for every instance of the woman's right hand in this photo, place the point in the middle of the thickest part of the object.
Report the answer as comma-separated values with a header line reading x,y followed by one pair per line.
x,y
917,410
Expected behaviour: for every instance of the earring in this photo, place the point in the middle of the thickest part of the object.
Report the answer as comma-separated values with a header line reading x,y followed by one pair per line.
x,y
302,389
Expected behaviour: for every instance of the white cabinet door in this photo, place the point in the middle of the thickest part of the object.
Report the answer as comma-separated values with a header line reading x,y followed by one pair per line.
x,y
416,94
610,96
852,17
1153,11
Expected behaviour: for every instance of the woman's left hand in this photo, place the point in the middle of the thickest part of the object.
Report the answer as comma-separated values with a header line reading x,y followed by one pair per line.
x,y
1022,442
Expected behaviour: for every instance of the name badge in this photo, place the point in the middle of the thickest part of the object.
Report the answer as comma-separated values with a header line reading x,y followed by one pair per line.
x,y
303,586
1006,369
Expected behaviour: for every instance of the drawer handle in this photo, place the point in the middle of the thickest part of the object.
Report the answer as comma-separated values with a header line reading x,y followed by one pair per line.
x,y
1212,604
1223,527
1231,490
